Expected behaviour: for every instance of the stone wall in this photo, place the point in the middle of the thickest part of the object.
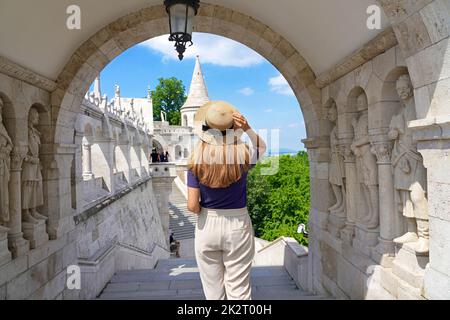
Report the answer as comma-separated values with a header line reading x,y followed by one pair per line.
x,y
123,235
91,204
376,243
129,229
133,220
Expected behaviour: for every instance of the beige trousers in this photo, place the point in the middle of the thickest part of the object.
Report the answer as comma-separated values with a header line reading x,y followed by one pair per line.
x,y
224,248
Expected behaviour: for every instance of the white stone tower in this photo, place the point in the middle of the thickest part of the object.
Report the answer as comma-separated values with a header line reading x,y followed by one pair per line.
x,y
198,96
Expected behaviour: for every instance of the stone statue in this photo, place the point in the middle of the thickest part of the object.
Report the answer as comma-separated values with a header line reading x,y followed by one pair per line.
x,y
5,150
32,196
163,116
336,173
366,164
409,172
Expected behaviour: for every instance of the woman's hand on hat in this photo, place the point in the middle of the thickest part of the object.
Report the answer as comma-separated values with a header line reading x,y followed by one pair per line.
x,y
240,122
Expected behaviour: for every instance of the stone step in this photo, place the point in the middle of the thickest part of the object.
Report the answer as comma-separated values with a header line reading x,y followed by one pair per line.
x,y
173,279
182,222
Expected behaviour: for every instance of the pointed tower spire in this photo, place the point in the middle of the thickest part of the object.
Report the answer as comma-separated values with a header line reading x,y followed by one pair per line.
x,y
198,94
97,90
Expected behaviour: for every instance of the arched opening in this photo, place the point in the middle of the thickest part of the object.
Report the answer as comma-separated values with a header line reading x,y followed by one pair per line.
x,y
158,146
76,77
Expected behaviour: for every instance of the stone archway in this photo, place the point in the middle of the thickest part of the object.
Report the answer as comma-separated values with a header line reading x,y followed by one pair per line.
x,y
94,54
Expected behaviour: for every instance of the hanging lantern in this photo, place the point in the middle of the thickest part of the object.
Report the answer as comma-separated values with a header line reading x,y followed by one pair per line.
x,y
181,20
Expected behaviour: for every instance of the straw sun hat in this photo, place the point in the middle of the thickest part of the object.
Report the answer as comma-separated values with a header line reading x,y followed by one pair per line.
x,y
213,123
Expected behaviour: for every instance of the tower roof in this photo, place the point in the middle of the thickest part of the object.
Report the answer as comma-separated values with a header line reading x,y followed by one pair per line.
x,y
198,94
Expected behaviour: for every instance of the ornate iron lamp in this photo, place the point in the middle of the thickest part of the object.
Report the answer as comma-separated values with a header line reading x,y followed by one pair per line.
x,y
181,17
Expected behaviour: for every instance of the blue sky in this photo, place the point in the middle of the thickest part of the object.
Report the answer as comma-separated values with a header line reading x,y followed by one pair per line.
x,y
232,71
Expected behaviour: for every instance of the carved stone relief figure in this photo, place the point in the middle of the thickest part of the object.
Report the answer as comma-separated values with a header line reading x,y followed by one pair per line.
x,y
336,173
366,165
32,196
6,146
409,172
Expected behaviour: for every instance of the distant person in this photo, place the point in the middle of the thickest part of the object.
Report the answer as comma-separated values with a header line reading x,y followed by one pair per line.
x,y
162,157
174,245
154,155
166,156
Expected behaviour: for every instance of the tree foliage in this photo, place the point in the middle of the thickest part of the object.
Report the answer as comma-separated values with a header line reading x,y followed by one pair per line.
x,y
168,96
278,203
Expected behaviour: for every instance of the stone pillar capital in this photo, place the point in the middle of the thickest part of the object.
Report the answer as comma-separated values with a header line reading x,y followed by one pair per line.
x,y
382,150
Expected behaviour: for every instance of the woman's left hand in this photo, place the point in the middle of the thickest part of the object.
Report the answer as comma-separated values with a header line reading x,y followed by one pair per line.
x,y
240,122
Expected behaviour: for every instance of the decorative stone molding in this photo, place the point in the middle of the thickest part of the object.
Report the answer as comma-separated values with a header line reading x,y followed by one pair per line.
x,y
21,73
380,44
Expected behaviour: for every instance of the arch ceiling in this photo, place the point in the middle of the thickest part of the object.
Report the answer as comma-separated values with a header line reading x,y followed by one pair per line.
x,y
323,31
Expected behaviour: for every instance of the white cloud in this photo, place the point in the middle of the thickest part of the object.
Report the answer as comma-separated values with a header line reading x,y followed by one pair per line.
x,y
293,125
268,110
280,85
247,91
212,49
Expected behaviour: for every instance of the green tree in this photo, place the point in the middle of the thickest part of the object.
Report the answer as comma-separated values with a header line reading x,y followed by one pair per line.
x,y
279,203
169,96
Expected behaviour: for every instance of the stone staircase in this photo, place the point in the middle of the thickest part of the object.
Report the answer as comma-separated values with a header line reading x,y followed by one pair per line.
x,y
179,279
182,222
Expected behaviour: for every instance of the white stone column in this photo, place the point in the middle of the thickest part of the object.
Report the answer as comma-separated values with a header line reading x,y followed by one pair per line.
x,y
17,244
79,179
87,160
384,252
59,195
163,176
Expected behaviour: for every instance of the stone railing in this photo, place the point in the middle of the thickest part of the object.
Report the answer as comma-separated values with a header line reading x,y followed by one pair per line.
x,y
173,130
286,252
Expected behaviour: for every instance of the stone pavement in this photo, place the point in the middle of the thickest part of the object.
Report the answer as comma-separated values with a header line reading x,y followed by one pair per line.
x,y
179,279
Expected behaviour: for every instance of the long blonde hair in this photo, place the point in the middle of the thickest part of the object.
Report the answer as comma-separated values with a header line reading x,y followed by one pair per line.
x,y
219,166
